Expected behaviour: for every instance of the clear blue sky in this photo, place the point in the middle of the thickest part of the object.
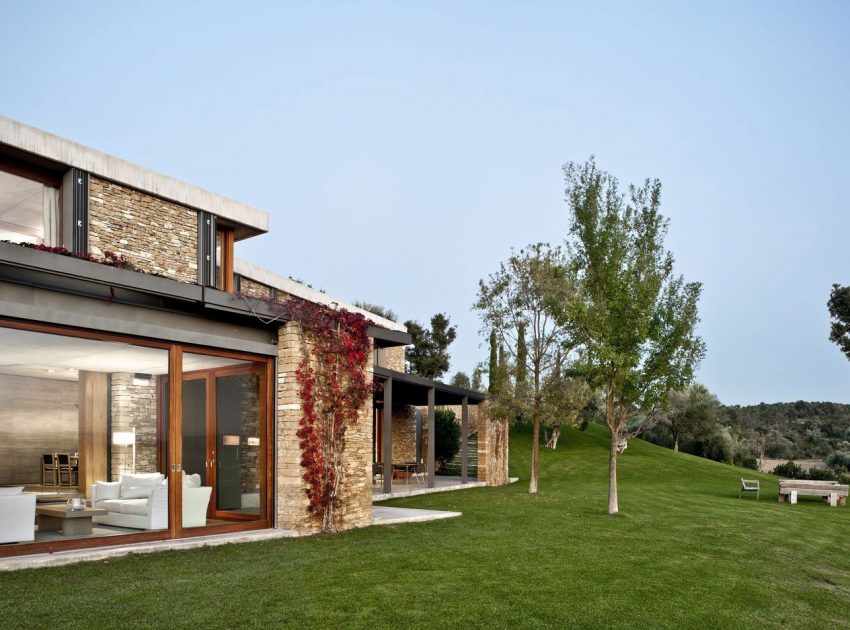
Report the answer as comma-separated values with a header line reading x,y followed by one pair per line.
x,y
403,148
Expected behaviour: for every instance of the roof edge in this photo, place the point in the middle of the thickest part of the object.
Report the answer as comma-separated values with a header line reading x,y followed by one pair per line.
x,y
288,285
70,153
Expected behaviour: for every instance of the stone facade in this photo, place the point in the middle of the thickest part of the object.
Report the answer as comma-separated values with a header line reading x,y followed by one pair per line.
x,y
157,236
492,451
404,435
292,502
133,406
393,358
253,289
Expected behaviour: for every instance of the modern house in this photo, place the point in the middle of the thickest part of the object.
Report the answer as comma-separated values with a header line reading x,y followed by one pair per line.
x,y
163,392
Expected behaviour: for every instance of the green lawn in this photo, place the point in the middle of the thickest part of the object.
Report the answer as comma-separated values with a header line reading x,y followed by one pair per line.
x,y
685,552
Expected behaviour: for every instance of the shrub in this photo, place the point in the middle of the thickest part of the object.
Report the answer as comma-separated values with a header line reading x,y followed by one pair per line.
x,y
750,462
447,436
817,474
789,470
839,460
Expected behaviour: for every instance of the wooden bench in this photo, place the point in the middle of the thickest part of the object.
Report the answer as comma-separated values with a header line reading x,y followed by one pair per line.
x,y
832,491
750,485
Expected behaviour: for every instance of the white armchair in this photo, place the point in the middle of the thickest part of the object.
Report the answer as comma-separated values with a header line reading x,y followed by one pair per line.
x,y
17,518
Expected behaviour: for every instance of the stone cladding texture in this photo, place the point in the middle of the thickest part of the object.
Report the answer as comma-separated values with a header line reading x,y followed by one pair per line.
x,y
393,358
292,502
133,406
156,235
404,435
254,289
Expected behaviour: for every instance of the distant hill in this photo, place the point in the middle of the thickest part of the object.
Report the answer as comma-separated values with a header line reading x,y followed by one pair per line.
x,y
798,430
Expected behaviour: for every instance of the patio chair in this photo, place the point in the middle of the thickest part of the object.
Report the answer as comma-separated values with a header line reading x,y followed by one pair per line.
x,y
419,472
749,485
377,473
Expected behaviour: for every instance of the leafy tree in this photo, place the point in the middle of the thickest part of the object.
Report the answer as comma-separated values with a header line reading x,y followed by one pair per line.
x,y
478,377
515,302
563,399
635,319
446,436
461,379
839,310
429,354
377,309
692,413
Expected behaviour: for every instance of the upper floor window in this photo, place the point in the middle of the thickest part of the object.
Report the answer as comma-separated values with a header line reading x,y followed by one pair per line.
x,y
223,268
29,211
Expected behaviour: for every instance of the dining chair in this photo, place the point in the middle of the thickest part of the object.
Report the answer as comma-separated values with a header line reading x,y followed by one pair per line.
x,y
48,467
63,466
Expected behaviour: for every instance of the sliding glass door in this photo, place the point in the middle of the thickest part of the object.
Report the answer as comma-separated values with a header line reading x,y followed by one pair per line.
x,y
223,439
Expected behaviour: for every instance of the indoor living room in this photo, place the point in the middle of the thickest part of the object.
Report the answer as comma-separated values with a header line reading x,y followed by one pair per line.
x,y
84,438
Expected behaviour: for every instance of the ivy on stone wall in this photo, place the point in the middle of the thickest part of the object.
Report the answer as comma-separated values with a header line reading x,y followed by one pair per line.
x,y
333,387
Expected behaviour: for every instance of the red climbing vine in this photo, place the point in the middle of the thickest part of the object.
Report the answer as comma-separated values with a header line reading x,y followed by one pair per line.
x,y
333,387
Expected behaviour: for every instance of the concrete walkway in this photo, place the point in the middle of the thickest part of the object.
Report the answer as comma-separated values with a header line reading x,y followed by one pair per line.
x,y
412,489
59,558
392,515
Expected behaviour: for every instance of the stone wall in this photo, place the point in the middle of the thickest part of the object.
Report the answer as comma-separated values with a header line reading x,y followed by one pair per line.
x,y
156,235
393,358
492,451
292,502
404,435
254,289
133,406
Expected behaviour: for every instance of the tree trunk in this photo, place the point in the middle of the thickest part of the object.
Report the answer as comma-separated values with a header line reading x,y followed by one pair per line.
x,y
676,442
552,442
535,440
613,506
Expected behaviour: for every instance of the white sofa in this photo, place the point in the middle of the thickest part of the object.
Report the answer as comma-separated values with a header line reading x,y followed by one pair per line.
x,y
17,515
140,501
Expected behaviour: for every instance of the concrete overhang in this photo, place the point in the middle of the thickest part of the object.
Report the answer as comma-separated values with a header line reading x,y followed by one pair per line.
x,y
292,287
248,221
410,389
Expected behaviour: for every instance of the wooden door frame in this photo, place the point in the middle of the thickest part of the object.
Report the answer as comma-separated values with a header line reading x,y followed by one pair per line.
x,y
170,453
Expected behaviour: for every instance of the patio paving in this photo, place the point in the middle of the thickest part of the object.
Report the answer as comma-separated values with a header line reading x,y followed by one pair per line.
x,y
382,515
412,488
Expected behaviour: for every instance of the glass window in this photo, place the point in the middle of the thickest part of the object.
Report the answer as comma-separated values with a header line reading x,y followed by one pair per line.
x,y
81,422
29,211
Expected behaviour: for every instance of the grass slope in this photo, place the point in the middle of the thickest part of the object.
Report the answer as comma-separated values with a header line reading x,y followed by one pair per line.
x,y
685,552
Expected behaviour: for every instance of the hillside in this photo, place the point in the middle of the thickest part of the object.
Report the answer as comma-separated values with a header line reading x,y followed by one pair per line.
x,y
684,552
799,430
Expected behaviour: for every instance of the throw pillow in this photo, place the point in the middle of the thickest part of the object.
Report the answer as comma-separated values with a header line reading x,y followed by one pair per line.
x,y
192,481
107,490
14,490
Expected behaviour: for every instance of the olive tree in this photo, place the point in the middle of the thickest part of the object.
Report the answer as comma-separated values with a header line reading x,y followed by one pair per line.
x,y
515,306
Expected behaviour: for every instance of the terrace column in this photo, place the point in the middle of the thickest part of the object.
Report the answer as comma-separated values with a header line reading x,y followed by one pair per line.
x,y
387,429
431,436
464,434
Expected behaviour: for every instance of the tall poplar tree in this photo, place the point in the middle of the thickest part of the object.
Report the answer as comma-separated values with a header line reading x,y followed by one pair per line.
x,y
634,318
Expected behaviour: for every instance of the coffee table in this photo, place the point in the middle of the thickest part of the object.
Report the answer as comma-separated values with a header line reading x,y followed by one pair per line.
x,y
53,518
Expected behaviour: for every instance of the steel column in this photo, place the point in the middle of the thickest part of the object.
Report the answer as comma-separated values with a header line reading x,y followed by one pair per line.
x,y
431,436
387,430
464,435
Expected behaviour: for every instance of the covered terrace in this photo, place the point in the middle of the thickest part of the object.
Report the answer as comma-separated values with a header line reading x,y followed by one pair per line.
x,y
401,389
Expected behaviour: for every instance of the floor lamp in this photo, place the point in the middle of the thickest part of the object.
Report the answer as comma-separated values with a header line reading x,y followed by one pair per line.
x,y
126,438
